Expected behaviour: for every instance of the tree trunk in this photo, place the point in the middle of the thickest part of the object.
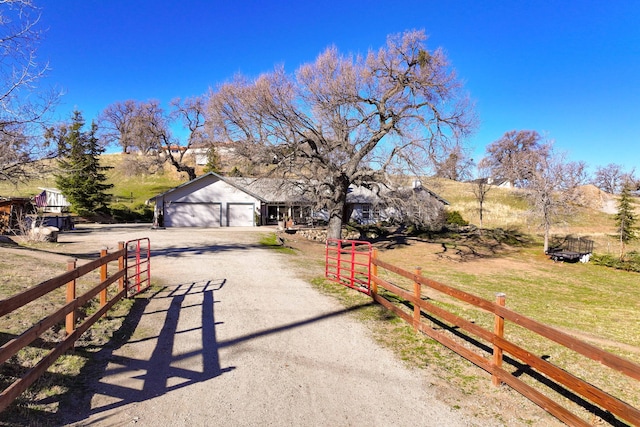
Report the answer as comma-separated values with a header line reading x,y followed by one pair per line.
x,y
334,228
547,232
181,167
339,212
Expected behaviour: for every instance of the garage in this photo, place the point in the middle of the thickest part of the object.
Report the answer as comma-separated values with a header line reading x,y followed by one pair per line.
x,y
240,214
192,214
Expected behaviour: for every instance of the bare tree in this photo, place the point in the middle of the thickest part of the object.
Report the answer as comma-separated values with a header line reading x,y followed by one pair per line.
x,y
608,178
144,128
116,122
515,156
481,186
22,105
345,120
457,165
190,112
613,179
131,124
552,190
415,206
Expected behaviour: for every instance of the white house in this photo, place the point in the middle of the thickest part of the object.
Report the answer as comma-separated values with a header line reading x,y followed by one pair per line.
x,y
212,200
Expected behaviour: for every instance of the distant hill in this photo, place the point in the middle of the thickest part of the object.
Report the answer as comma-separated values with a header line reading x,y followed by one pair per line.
x,y
505,207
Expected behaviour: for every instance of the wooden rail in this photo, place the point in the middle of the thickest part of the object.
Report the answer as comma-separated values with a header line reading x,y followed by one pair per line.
x,y
495,338
65,314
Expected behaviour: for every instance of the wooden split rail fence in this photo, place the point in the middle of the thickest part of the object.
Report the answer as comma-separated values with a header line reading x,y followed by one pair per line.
x,y
131,276
423,313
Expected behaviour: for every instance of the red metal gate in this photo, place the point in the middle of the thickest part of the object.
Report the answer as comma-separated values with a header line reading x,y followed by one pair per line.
x,y
349,262
138,265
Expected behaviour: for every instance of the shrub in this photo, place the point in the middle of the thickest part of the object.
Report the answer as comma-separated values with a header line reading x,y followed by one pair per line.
x,y
121,212
455,218
631,262
137,213
143,212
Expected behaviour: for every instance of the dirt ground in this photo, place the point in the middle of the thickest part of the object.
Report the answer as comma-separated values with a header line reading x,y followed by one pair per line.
x,y
235,336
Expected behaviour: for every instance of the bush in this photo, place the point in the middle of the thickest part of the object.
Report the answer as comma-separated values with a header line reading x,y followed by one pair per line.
x,y
455,218
121,212
631,262
137,213
368,231
143,212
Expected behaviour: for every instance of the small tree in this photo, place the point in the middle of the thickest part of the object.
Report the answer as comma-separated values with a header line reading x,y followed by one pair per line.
x,y
481,187
551,188
625,220
82,179
214,164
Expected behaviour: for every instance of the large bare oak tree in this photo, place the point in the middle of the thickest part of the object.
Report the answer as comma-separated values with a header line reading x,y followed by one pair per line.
x,y
22,105
344,120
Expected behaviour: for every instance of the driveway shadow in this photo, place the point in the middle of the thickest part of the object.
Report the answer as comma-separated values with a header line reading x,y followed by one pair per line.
x,y
158,369
158,374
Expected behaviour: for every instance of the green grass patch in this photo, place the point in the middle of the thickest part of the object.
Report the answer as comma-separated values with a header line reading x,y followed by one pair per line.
x,y
270,240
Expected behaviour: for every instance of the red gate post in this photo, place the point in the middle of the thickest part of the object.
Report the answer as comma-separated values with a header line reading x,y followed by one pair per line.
x,y
121,266
417,293
374,271
103,276
498,330
70,323
338,260
148,263
138,265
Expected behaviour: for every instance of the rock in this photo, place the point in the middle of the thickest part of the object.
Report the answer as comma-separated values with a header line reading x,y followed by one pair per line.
x,y
44,234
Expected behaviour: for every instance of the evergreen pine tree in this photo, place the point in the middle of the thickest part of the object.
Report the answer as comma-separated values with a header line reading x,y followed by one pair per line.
x,y
625,220
213,161
82,179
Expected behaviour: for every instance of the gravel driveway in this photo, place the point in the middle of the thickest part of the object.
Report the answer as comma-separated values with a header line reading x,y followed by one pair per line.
x,y
236,339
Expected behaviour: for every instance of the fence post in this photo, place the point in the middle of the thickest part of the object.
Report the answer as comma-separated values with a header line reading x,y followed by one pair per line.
x,y
417,293
121,266
498,330
103,277
70,323
374,271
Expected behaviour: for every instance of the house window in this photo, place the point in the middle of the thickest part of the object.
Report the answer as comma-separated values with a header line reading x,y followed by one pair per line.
x,y
366,212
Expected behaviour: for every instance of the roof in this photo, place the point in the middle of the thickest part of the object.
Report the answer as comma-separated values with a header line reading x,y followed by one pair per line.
x,y
14,201
50,190
287,191
273,190
209,174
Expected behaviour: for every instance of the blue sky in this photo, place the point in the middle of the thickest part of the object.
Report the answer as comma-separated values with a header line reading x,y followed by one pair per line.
x,y
568,69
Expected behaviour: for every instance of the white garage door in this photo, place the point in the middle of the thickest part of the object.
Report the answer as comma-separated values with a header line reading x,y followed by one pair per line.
x,y
240,214
192,215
